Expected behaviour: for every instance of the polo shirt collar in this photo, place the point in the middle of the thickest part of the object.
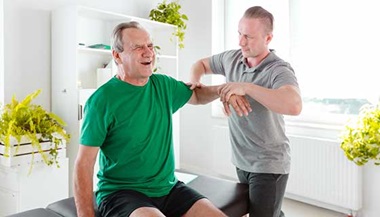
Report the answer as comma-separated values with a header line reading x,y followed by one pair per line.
x,y
269,58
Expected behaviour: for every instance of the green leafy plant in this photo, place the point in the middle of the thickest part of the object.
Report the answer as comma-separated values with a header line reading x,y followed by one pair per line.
x,y
24,119
361,138
169,13
157,50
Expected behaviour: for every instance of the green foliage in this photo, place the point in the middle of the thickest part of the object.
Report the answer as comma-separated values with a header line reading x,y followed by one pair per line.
x,y
157,50
361,139
22,118
169,13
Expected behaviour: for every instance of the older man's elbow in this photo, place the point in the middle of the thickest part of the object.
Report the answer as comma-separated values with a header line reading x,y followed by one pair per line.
x,y
193,99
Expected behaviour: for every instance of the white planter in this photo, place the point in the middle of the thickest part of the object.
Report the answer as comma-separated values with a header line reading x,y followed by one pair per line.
x,y
25,153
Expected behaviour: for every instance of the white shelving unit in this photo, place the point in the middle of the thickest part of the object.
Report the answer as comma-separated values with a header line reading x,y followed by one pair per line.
x,y
74,66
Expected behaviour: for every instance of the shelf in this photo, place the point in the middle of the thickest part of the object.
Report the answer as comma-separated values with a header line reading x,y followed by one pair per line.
x,y
110,16
94,50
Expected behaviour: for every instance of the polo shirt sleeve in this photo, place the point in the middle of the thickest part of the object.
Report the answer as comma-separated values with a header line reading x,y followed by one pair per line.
x,y
283,75
224,62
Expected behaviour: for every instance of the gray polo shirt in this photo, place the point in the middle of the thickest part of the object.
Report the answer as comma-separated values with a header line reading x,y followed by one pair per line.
x,y
259,143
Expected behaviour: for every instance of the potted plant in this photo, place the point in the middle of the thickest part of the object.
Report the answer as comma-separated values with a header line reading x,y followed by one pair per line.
x,y
169,13
28,129
361,139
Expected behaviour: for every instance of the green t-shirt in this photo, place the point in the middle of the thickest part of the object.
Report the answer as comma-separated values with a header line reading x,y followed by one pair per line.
x,y
132,125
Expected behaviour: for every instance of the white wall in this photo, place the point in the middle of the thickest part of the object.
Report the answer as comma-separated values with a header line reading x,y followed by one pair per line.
x,y
1,53
26,52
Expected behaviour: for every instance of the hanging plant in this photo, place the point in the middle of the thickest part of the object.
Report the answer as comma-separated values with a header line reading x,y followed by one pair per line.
x,y
169,13
361,139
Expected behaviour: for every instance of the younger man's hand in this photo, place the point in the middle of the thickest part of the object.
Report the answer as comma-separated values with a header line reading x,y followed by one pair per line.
x,y
194,85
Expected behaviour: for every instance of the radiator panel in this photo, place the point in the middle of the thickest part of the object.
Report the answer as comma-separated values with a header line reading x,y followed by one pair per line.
x,y
322,175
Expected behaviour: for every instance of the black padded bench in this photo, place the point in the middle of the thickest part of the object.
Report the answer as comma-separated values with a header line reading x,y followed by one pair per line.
x,y
229,196
38,212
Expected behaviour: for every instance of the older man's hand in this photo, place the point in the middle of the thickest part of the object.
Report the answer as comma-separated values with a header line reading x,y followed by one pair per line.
x,y
239,103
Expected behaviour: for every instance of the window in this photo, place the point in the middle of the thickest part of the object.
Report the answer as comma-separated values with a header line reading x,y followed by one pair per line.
x,y
332,45
333,49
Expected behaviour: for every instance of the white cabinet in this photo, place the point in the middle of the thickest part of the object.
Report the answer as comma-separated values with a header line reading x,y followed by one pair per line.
x,y
75,66
21,191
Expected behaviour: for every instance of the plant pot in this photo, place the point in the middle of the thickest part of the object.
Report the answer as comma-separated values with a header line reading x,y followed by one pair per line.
x,y
25,153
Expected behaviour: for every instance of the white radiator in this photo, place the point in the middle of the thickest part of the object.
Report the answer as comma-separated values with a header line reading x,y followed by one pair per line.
x,y
321,175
